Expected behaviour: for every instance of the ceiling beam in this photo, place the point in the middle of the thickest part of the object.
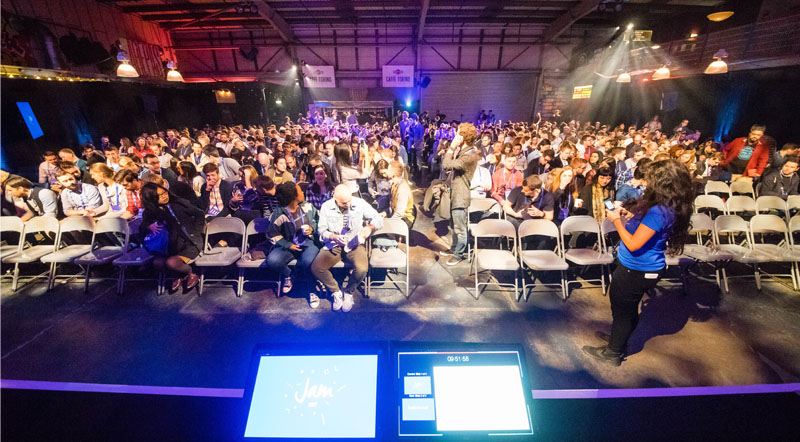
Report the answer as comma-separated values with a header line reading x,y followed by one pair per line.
x,y
423,14
573,14
271,15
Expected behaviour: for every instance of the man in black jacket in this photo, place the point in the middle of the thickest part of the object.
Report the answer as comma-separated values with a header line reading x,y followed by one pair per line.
x,y
216,195
781,182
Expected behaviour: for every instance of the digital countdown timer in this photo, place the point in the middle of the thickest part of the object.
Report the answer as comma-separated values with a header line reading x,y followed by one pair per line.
x,y
458,358
582,92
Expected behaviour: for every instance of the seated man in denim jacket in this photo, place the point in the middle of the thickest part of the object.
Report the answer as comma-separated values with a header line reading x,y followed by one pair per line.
x,y
345,223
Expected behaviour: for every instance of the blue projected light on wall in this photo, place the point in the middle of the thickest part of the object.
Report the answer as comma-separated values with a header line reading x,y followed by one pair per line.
x,y
314,397
30,119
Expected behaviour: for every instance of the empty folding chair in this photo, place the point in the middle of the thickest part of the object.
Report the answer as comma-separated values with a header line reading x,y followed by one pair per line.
x,y
706,250
136,257
101,255
780,251
709,202
542,260
766,204
794,226
65,254
740,205
744,188
480,205
220,256
717,188
596,255
495,259
43,225
10,224
390,257
255,227
739,244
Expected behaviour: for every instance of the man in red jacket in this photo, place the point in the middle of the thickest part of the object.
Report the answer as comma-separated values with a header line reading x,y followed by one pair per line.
x,y
747,156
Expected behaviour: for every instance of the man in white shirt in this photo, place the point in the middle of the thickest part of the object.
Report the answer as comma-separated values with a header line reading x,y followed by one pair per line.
x,y
79,198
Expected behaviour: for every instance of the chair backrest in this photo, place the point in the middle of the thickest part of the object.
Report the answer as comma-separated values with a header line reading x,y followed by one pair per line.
x,y
392,226
481,204
11,224
730,224
793,202
494,228
766,203
768,224
740,203
77,224
541,227
794,224
709,202
607,227
579,223
717,187
742,187
224,225
48,224
112,225
701,223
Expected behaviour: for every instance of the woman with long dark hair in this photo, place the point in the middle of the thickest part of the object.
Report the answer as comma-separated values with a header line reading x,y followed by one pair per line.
x,y
347,173
657,224
184,225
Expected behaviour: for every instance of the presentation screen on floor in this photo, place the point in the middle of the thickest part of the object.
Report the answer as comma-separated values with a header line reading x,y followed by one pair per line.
x,y
314,397
464,393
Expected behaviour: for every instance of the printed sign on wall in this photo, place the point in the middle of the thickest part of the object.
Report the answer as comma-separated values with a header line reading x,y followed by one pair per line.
x,y
398,76
319,76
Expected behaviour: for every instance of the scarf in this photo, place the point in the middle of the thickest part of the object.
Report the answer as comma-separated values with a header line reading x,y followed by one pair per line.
x,y
599,195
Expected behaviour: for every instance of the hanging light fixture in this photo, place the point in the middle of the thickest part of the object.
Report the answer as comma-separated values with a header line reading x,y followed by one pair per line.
x,y
718,66
125,69
720,16
624,78
661,73
173,74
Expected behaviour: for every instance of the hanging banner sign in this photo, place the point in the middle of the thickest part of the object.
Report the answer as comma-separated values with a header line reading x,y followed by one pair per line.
x,y
398,76
319,76
145,57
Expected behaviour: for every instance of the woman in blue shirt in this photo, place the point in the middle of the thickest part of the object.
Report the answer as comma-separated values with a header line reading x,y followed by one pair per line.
x,y
659,221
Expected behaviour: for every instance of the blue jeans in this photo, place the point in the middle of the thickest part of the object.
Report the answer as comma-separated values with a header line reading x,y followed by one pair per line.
x,y
458,222
279,257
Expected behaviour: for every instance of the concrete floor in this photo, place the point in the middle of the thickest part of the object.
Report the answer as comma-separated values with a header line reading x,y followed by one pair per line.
x,y
698,339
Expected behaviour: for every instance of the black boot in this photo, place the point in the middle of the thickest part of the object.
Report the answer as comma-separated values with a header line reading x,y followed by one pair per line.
x,y
604,354
605,337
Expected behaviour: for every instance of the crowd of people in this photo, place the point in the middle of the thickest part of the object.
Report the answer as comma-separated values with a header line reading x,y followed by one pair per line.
x,y
325,183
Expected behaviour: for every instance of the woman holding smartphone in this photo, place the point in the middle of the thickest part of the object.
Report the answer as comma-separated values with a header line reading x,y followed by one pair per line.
x,y
658,222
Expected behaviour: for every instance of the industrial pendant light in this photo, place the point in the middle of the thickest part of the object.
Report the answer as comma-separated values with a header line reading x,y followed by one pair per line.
x,y
624,78
173,74
125,69
720,16
718,66
661,73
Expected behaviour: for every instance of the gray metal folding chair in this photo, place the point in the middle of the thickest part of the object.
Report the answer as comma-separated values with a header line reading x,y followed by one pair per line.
x,y
780,251
596,255
45,225
480,205
495,259
390,257
766,204
744,188
704,202
713,187
731,226
65,254
256,226
542,260
220,256
10,224
102,255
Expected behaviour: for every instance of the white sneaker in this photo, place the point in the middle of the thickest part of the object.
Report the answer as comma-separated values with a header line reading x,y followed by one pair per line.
x,y
337,301
287,285
347,305
313,300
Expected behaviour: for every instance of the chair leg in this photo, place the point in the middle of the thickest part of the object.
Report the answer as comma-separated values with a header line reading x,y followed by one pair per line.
x,y
51,277
758,276
516,285
15,279
121,279
240,285
202,281
603,279
725,280
86,280
564,285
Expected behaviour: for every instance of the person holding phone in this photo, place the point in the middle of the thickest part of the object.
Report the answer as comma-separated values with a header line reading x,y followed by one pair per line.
x,y
657,223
